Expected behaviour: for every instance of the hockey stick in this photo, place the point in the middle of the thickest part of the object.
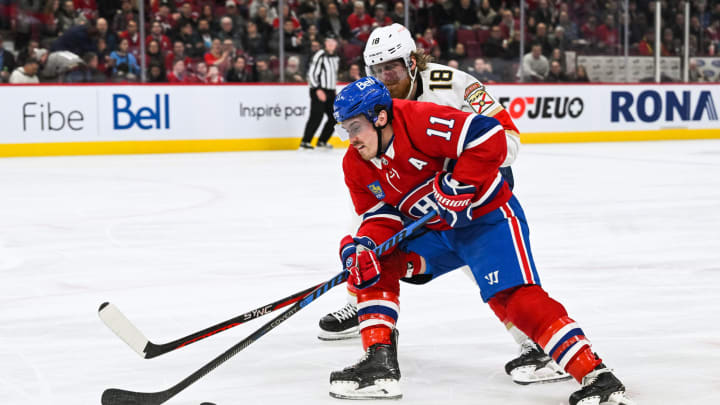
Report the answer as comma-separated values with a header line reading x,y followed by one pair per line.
x,y
115,396
130,334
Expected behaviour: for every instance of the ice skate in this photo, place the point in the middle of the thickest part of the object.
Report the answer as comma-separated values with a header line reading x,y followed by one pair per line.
x,y
600,386
375,376
533,366
341,324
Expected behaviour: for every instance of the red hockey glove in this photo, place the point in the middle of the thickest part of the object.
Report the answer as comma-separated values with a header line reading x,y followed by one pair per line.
x,y
360,261
453,199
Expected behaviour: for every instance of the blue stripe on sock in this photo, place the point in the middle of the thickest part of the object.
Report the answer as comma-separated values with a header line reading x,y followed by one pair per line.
x,y
378,309
573,332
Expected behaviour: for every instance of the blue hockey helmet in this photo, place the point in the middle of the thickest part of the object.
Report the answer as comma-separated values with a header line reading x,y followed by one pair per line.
x,y
367,96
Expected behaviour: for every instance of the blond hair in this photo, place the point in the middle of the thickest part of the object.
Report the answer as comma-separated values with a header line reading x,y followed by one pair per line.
x,y
421,59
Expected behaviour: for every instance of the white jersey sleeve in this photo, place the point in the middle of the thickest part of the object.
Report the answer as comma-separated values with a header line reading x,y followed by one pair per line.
x,y
452,87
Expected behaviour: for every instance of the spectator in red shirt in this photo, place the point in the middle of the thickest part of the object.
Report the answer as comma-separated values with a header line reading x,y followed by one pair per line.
x,y
178,53
360,23
589,31
217,57
508,25
88,8
156,33
381,17
288,15
214,76
133,36
165,18
427,42
607,34
180,74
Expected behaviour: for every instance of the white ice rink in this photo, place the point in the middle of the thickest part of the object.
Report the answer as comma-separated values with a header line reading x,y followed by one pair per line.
x,y
625,235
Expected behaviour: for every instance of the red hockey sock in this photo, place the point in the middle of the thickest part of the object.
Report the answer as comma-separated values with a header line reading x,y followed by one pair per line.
x,y
546,322
565,342
377,310
375,334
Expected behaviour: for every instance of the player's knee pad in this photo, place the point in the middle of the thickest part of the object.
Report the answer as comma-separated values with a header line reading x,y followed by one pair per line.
x,y
531,309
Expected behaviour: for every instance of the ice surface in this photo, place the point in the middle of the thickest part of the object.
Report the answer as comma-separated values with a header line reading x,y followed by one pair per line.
x,y
626,235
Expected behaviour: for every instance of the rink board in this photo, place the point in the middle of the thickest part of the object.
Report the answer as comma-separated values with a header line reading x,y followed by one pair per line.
x,y
127,119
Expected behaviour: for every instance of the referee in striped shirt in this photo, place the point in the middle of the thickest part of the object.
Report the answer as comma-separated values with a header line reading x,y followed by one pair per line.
x,y
322,76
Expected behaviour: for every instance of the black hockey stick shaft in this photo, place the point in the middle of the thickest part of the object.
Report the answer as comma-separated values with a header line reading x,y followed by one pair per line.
x,y
115,396
153,350
128,332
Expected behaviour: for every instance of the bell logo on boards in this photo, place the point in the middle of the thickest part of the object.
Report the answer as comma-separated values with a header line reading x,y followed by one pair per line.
x,y
128,116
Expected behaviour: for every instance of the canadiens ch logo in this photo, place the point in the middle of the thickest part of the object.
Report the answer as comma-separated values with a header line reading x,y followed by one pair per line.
x,y
376,189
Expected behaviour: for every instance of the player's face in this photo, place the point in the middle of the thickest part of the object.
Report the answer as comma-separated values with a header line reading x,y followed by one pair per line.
x,y
394,76
362,136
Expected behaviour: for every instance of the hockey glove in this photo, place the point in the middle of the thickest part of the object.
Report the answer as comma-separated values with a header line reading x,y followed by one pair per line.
x,y
453,199
360,261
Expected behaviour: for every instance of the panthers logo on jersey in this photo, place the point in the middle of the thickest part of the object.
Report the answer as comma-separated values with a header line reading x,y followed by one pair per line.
x,y
478,98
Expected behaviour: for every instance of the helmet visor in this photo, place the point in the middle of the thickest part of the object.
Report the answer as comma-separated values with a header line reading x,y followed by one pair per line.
x,y
392,71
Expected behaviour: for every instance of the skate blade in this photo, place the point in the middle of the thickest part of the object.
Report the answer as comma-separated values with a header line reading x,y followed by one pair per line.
x,y
616,398
352,333
382,389
530,375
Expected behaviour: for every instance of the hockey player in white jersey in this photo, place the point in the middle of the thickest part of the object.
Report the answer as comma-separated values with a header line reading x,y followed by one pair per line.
x,y
392,56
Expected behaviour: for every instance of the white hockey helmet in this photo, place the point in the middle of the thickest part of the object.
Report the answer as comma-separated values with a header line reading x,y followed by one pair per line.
x,y
388,43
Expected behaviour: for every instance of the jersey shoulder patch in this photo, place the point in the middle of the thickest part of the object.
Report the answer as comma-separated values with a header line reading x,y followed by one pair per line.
x,y
478,98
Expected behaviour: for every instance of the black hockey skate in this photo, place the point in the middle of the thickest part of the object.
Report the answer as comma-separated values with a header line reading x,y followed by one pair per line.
x,y
339,325
533,366
600,386
375,376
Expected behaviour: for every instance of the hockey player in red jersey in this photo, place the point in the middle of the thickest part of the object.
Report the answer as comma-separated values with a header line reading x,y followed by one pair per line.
x,y
392,57
406,159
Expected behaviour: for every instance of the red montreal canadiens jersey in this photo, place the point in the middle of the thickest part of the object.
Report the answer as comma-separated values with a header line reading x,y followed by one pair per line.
x,y
428,138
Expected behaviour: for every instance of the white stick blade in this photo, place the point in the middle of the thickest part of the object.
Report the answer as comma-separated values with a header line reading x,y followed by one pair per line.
x,y
123,328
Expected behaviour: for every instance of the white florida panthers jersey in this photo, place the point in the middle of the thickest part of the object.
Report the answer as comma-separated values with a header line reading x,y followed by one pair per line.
x,y
444,85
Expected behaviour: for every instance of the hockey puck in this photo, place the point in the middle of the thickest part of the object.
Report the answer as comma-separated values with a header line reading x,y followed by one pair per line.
x,y
207,403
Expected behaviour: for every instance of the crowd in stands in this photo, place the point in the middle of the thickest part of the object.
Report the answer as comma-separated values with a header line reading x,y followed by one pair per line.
x,y
216,41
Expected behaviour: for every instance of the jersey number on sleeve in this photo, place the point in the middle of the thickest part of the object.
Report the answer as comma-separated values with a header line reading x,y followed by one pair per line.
x,y
445,134
444,77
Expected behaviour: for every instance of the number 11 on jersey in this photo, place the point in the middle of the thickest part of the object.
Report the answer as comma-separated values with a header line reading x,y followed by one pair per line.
x,y
444,134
